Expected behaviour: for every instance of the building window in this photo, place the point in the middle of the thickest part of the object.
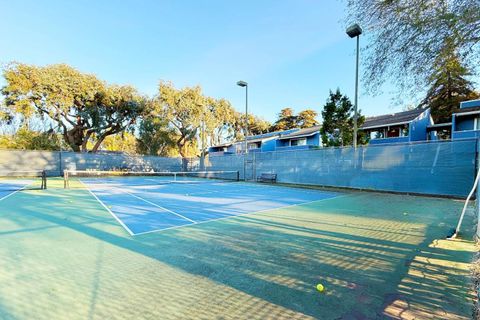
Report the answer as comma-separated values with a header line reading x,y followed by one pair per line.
x,y
476,123
393,133
379,134
253,146
404,132
298,142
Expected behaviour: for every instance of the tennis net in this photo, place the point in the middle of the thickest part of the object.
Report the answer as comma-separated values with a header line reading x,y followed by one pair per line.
x,y
23,180
147,178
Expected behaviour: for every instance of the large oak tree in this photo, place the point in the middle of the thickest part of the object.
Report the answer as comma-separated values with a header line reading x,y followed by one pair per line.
x,y
83,107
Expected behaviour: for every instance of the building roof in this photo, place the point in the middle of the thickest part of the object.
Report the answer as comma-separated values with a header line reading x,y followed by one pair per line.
x,y
468,110
470,104
301,133
258,139
226,144
267,135
392,119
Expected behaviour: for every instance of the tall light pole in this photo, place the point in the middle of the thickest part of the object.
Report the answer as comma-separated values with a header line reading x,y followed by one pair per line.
x,y
354,31
244,84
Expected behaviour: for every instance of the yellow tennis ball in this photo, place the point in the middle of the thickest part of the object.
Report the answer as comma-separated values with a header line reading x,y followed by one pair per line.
x,y
320,287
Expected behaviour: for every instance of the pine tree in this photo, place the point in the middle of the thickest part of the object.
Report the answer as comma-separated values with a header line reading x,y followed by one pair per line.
x,y
337,126
448,86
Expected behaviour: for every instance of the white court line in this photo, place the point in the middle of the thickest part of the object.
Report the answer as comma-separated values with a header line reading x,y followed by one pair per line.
x,y
248,186
158,206
12,193
240,215
108,209
147,201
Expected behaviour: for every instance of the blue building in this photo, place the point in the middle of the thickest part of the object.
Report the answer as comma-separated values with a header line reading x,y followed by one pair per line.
x,y
279,140
466,121
222,149
307,138
404,126
263,142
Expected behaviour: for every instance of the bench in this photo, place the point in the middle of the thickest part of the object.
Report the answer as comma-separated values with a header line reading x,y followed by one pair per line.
x,y
267,177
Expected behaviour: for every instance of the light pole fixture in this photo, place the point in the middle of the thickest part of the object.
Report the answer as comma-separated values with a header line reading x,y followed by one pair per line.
x,y
244,84
354,31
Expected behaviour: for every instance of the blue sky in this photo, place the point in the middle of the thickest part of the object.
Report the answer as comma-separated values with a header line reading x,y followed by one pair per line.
x,y
291,52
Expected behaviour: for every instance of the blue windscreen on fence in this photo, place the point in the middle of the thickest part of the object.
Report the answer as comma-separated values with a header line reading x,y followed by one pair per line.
x,y
436,168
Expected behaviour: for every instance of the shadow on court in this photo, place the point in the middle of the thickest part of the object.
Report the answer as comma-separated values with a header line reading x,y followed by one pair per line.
x,y
376,254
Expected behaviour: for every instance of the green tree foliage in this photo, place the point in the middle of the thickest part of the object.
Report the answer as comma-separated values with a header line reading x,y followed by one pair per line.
x,y
286,120
83,107
448,86
25,139
407,36
256,125
122,142
182,109
337,126
217,122
155,138
191,116
307,118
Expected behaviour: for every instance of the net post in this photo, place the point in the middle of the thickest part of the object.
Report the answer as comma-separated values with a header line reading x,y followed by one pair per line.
x,y
44,179
238,175
65,179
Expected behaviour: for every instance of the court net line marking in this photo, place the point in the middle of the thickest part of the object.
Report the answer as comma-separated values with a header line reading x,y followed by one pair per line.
x,y
240,215
108,209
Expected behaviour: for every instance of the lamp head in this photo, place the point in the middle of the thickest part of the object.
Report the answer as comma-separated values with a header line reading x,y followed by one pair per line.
x,y
242,83
354,31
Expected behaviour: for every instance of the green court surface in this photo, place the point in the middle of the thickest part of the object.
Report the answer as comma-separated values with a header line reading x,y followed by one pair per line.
x,y
63,256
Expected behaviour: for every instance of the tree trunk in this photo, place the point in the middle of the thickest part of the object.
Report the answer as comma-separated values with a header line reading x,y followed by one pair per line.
x,y
180,145
85,141
99,142
68,136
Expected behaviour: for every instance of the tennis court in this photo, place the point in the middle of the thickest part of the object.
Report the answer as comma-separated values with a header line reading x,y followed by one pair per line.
x,y
13,181
207,245
149,203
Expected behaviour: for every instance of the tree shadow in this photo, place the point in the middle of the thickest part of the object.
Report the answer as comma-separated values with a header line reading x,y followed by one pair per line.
x,y
373,260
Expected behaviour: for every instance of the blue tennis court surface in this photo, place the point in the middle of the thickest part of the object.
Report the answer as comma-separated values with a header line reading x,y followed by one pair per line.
x,y
142,207
8,187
